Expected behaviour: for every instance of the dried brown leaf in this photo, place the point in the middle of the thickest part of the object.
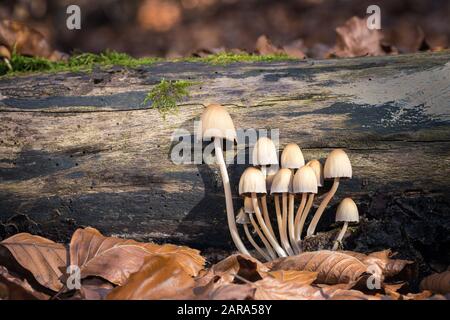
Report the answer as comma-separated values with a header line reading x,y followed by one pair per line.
x,y
26,41
42,257
389,267
15,288
242,266
332,267
161,277
354,39
437,283
298,277
95,289
114,259
265,47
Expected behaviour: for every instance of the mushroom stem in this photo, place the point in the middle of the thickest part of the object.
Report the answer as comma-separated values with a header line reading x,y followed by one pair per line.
x,y
305,213
296,222
285,223
279,219
228,199
8,64
272,253
265,211
255,245
264,228
292,224
340,236
312,226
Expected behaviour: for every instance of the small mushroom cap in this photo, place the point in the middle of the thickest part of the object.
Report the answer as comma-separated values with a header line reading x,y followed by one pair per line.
x,y
248,205
337,165
292,157
216,122
347,211
318,170
282,181
242,217
304,181
270,174
252,181
264,152
5,53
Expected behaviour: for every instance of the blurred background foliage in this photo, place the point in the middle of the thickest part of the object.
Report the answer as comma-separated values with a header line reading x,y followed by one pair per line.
x,y
180,28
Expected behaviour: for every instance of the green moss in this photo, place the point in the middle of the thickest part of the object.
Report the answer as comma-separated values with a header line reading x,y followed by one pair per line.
x,y
78,62
86,61
166,95
227,58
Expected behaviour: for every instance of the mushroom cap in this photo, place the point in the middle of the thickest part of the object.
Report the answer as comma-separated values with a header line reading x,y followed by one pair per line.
x,y
242,217
217,123
270,174
252,181
337,165
282,181
292,157
4,52
347,211
248,205
305,181
318,170
264,152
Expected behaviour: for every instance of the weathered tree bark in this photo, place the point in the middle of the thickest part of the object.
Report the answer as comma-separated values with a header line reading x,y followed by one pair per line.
x,y
80,149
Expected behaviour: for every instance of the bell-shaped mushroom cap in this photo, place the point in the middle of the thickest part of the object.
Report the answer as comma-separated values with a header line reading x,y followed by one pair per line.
x,y
292,157
242,217
270,174
337,165
347,211
282,182
216,122
318,170
252,181
264,152
248,205
304,181
4,52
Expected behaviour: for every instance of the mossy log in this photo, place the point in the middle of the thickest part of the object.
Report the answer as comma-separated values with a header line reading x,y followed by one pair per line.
x,y
79,149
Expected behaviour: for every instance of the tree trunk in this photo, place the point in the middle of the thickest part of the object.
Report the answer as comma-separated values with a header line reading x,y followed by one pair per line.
x,y
79,149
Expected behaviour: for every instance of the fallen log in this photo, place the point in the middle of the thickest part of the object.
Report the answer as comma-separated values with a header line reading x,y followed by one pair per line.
x,y
79,149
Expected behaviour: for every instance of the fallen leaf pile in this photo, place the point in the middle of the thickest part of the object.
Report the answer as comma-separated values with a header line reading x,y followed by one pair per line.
x,y
32,267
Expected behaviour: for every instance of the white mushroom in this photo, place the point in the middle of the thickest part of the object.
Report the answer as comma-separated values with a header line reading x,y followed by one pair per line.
x,y
336,166
304,183
252,184
217,124
281,185
265,156
347,211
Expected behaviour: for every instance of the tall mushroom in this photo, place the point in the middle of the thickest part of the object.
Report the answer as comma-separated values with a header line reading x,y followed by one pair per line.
x,y
304,182
336,166
252,184
217,124
265,156
282,185
292,158
243,219
347,211
248,208
316,166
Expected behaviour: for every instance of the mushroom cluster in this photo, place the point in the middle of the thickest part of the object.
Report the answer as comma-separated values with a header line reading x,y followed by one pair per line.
x,y
287,179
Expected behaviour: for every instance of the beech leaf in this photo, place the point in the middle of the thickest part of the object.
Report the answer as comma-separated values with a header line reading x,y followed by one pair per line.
x,y
161,277
332,267
437,283
42,257
114,259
